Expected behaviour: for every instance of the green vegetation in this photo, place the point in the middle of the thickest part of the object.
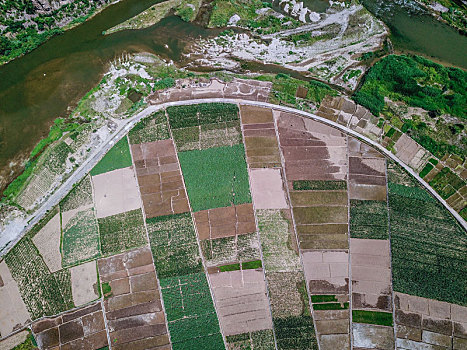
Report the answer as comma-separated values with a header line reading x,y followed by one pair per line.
x,y
372,317
116,158
80,195
44,293
80,241
205,125
256,264
150,129
295,332
231,267
259,340
284,90
446,183
201,114
28,344
174,245
216,177
191,316
323,298
331,306
429,248
428,167
122,232
319,185
416,81
368,219
106,290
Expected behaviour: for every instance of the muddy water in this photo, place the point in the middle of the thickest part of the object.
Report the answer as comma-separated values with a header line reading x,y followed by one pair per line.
x,y
40,86
415,31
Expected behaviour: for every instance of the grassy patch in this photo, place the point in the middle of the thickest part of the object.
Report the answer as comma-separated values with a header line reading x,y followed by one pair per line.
x,y
256,264
106,290
372,317
331,306
216,177
80,240
44,293
150,129
122,232
116,158
173,245
231,267
190,312
277,241
429,248
368,219
319,185
28,344
426,170
323,298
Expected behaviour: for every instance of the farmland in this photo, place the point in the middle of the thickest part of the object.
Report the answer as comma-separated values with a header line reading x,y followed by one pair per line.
x,y
45,293
118,157
223,166
428,245
150,129
121,232
368,219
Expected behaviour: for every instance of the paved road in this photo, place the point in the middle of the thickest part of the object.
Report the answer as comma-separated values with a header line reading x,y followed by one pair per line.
x,y
127,124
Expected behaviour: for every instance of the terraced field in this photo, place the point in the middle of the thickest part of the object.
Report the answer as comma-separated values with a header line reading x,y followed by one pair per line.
x,y
217,226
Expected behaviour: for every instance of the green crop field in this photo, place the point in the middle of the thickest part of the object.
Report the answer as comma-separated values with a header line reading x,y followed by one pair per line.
x,y
368,219
429,248
372,317
259,340
116,158
150,129
80,240
319,185
44,293
216,177
173,245
201,114
80,195
122,232
191,316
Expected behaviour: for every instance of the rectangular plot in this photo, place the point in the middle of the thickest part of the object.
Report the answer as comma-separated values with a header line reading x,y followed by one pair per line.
x,y
216,177
174,246
188,325
368,219
150,129
261,340
80,240
134,315
241,301
321,214
80,195
308,199
200,114
159,178
122,232
255,115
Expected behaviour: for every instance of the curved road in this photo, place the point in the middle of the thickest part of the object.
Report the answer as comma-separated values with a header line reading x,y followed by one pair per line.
x,y
127,124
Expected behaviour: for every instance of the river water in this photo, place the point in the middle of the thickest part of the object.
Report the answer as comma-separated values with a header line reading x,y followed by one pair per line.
x,y
44,84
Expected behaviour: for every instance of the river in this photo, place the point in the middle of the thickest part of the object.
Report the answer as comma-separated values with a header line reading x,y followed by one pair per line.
x,y
46,83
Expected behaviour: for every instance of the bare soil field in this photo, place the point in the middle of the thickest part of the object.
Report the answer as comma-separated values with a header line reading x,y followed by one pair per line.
x,y
133,308
267,189
115,192
241,301
160,179
13,312
47,240
225,222
80,329
84,283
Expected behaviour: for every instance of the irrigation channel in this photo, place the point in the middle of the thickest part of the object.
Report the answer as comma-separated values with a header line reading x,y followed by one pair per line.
x,y
45,83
